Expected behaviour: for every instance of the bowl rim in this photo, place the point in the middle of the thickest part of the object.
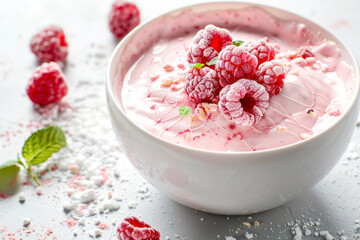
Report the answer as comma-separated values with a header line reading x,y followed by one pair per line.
x,y
290,147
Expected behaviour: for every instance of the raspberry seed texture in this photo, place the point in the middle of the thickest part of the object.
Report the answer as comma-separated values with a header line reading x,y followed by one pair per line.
x,y
207,44
201,84
235,63
244,102
262,50
271,75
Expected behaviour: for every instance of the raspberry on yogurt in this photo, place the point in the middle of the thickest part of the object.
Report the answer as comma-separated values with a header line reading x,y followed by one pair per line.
x,y
201,84
244,102
50,44
271,75
262,50
207,44
235,63
304,53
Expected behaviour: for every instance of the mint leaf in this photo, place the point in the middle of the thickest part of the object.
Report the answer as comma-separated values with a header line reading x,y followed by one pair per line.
x,y
237,42
185,111
197,65
212,61
8,174
42,144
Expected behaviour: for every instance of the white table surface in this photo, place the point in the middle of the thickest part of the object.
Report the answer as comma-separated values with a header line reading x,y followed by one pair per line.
x,y
333,204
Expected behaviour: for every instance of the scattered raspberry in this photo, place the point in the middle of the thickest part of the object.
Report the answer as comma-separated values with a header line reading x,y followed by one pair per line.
x,y
235,63
244,102
207,44
168,68
124,17
271,75
181,66
49,44
154,77
47,85
201,84
261,49
131,228
304,53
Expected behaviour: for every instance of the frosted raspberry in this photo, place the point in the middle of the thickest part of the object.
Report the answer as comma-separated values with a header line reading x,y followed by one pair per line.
x,y
47,85
261,49
235,63
124,17
207,44
244,102
201,84
131,228
271,75
49,44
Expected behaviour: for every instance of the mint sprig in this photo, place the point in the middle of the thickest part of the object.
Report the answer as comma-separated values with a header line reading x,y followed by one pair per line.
x,y
197,65
212,61
37,149
185,111
237,42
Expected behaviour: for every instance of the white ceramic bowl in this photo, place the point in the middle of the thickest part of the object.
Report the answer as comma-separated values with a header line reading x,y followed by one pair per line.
x,y
221,182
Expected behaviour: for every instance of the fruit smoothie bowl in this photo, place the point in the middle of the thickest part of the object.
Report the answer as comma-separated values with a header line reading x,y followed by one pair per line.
x,y
231,136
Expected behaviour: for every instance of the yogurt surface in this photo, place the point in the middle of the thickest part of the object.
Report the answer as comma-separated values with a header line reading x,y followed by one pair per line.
x,y
313,96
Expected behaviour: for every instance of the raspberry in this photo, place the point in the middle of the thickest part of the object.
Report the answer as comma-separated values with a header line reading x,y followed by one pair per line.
x,y
304,53
49,44
207,44
47,85
131,228
235,63
271,75
201,84
244,102
124,17
261,49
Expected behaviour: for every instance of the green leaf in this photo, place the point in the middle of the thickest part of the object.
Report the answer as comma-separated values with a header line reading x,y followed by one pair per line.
x,y
197,65
8,165
237,42
8,174
42,144
212,61
185,111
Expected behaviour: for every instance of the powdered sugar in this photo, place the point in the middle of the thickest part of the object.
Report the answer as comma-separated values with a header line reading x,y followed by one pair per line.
x,y
26,222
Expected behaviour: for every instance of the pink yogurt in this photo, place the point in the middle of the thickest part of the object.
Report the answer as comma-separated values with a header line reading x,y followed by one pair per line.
x,y
313,96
